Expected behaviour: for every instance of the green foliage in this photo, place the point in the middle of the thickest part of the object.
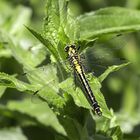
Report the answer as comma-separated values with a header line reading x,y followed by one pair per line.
x,y
64,112
116,20
15,133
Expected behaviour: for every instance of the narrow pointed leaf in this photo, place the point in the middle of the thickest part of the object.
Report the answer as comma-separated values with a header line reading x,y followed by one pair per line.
x,y
46,42
112,69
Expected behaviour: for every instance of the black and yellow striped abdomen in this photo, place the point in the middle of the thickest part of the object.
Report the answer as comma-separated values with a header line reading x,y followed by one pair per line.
x,y
74,59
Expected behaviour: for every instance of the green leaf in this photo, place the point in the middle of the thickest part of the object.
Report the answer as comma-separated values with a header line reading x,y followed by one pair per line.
x,y
129,126
41,112
13,133
46,42
52,96
107,21
27,120
24,56
60,25
81,100
2,90
75,130
21,16
129,96
110,70
3,51
115,133
46,81
56,13
12,82
77,94
109,128
13,19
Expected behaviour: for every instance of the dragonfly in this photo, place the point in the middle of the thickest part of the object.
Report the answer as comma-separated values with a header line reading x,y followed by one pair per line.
x,y
75,62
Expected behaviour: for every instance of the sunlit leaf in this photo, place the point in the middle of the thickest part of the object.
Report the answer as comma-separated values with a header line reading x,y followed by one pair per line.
x,y
2,90
12,133
111,69
11,82
46,42
39,111
107,21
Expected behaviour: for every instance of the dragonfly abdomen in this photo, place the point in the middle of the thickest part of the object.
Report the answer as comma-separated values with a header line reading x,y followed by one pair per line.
x,y
90,94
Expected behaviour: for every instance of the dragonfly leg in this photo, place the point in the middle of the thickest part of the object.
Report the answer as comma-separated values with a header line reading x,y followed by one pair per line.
x,y
78,48
82,56
74,84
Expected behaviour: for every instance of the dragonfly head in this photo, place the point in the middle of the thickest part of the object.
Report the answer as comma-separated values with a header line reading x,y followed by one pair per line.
x,y
68,47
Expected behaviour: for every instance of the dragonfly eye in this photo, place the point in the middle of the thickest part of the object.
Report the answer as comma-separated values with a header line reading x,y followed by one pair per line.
x,y
73,46
66,48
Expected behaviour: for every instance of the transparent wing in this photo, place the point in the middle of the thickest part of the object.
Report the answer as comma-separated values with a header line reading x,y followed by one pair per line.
x,y
98,57
46,81
46,93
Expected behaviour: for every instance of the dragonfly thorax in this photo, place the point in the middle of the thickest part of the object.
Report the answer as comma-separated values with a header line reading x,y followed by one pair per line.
x,y
70,48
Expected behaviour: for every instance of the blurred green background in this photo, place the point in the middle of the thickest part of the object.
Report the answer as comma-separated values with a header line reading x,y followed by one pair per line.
x,y
121,89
